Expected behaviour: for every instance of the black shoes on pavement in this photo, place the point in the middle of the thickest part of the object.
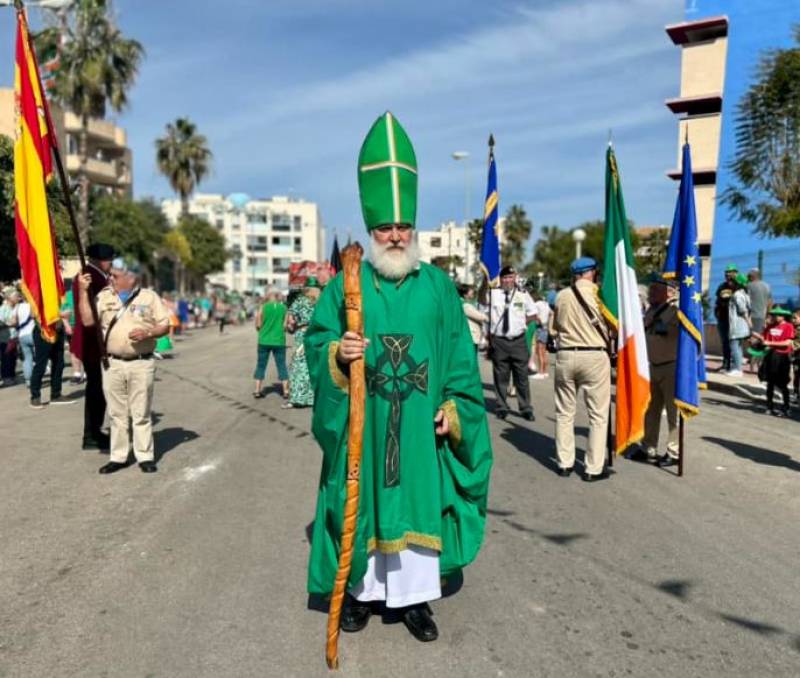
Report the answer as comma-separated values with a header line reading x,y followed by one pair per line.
x,y
501,414
111,467
114,466
355,615
565,472
593,477
417,618
528,415
102,442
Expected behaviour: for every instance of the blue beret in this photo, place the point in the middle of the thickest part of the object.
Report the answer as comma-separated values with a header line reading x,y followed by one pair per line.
x,y
582,265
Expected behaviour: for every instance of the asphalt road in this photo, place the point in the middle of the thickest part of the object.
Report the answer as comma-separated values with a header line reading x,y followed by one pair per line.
x,y
199,570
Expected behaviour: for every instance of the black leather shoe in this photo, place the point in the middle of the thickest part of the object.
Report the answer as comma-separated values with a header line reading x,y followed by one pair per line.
x,y
355,615
666,460
528,414
101,442
501,414
590,478
564,472
148,467
417,619
111,467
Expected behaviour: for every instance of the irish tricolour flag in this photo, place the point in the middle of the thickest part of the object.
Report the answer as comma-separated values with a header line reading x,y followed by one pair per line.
x,y
619,297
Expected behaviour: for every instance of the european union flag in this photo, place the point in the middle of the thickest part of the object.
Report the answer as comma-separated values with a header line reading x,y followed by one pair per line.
x,y
683,264
490,245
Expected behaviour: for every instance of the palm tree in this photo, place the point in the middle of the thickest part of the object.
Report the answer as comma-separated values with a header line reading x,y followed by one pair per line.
x,y
517,231
97,67
184,158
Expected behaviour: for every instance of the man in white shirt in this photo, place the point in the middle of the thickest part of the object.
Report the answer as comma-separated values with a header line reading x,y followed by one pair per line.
x,y
510,312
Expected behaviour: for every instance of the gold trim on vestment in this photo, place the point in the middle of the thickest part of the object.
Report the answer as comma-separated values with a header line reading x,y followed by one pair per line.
x,y
337,375
451,412
408,539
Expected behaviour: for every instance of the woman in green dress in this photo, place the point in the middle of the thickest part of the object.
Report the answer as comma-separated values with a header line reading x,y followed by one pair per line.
x,y
301,394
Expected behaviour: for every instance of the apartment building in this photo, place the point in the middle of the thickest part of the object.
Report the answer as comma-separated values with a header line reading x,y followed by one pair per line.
x,y
450,240
110,161
265,236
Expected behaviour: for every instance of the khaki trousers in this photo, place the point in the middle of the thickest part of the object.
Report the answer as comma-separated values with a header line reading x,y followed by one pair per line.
x,y
128,387
662,395
592,371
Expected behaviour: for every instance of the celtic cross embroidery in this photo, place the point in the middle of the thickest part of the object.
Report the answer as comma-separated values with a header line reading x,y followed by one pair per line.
x,y
395,376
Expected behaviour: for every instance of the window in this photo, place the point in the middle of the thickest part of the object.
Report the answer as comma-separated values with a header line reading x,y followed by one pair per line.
x,y
298,244
72,144
257,218
280,265
237,265
282,223
298,224
436,242
220,224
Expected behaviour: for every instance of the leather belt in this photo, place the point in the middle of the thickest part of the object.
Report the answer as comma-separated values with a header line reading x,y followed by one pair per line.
x,y
500,336
581,348
128,358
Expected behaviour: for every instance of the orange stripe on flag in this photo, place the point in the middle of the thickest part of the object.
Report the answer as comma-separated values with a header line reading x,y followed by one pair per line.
x,y
633,398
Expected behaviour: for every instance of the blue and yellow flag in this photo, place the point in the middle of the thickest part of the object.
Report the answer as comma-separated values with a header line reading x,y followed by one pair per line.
x,y
490,244
684,265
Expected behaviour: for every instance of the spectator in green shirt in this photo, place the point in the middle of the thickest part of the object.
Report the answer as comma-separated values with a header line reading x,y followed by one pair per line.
x,y
270,324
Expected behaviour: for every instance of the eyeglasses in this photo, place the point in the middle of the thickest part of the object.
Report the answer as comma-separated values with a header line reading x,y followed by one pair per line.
x,y
386,229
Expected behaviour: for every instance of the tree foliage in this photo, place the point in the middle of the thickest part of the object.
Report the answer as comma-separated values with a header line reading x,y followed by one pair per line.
x,y
207,246
517,231
184,158
136,228
97,67
767,162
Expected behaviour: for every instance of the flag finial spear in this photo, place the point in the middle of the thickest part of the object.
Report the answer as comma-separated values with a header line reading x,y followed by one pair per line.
x,y
686,134
610,138
18,4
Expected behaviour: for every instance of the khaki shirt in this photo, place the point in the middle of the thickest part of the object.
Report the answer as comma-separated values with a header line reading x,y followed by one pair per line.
x,y
570,322
662,334
146,311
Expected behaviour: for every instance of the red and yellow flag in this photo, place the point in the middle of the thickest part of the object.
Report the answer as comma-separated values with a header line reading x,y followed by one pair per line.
x,y
33,166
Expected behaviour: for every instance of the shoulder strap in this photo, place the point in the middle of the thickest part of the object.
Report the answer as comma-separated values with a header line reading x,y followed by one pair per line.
x,y
119,314
593,319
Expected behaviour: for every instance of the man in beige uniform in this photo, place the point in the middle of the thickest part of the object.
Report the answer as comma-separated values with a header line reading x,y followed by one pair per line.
x,y
132,318
582,361
661,326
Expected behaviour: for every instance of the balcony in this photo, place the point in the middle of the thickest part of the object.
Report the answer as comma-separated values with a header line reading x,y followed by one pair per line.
x,y
701,30
99,130
696,105
103,172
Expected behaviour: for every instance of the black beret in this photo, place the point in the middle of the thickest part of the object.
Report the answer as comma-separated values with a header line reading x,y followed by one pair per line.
x,y
101,251
507,270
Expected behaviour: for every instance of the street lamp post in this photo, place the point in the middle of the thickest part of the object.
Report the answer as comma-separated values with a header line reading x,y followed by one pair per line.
x,y
578,235
464,155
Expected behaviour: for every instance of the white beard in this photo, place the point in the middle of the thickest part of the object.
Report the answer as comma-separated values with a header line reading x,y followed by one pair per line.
x,y
394,263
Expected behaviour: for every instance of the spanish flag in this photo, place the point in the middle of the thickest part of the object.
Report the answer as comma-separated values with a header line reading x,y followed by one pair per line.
x,y
33,159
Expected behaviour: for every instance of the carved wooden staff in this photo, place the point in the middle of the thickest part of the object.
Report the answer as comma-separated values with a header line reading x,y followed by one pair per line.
x,y
351,262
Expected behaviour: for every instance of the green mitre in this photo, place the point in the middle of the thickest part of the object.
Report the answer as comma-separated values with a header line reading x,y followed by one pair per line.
x,y
387,175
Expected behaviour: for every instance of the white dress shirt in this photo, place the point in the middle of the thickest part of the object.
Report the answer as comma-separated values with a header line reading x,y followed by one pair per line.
x,y
520,306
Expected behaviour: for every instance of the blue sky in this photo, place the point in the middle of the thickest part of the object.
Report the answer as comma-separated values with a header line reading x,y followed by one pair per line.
x,y
285,91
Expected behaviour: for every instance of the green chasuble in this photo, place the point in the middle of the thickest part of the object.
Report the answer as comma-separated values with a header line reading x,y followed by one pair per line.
x,y
416,488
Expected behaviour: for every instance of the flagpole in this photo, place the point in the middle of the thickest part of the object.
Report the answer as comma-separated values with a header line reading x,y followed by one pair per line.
x,y
62,175
680,445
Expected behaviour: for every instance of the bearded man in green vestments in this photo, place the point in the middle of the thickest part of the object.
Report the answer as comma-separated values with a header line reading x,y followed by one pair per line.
x,y
427,452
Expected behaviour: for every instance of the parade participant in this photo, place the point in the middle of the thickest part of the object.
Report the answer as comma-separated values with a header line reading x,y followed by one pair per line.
x,y
132,319
738,324
796,354
542,335
779,340
8,336
301,394
582,361
760,299
511,312
724,293
270,323
45,352
661,326
476,319
426,450
86,346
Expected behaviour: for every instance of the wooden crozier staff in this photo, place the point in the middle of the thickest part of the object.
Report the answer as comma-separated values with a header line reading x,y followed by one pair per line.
x,y
351,263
